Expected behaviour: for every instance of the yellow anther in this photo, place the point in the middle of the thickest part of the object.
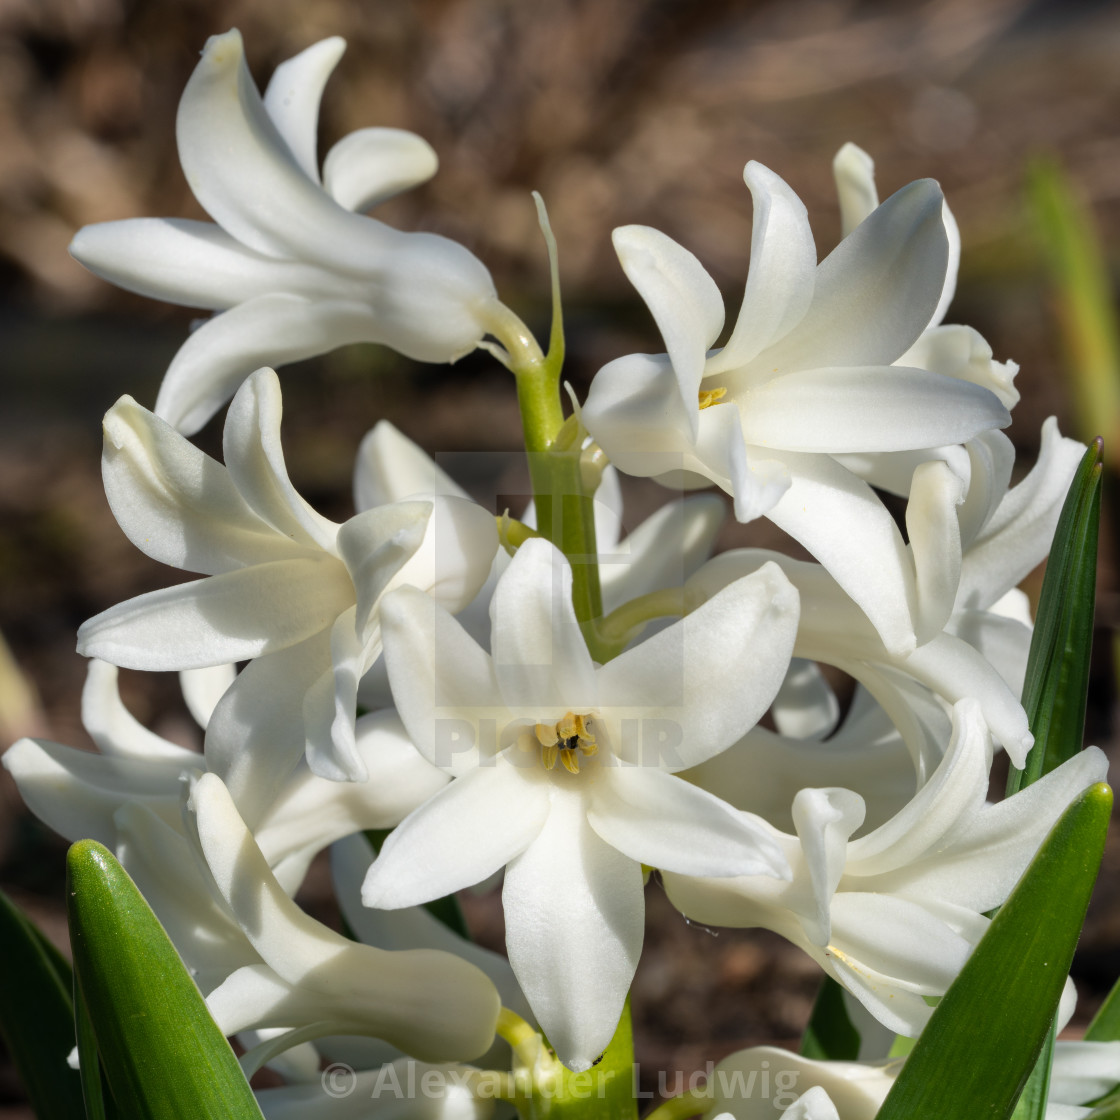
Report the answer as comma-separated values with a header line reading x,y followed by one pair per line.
x,y
565,741
708,397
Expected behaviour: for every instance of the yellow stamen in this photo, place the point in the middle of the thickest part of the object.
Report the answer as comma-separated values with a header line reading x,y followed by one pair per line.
x,y
708,397
566,741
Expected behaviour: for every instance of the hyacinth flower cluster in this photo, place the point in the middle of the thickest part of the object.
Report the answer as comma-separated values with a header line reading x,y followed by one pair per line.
x,y
443,695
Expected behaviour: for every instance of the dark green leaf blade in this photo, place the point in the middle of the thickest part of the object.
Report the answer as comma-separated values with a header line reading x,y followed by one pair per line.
x,y
830,1034
977,1050
1105,1026
36,1016
164,1057
1057,680
99,1104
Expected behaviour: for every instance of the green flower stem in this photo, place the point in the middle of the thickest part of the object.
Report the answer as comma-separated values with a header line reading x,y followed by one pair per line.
x,y
547,1090
624,623
554,449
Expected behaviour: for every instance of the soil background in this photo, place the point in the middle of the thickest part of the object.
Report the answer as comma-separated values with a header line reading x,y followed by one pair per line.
x,y
617,111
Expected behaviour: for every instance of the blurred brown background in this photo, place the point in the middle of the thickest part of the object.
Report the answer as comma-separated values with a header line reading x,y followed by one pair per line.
x,y
617,112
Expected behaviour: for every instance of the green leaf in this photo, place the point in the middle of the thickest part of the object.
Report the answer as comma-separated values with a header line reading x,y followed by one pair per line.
x,y
1086,310
1057,677
164,1056
36,1016
99,1104
830,1033
1105,1026
975,1054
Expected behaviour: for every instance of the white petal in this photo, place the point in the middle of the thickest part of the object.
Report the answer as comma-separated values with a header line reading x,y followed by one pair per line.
x,y
660,820
372,165
954,792
540,656
330,706
220,619
663,551
311,812
886,948
165,865
390,468
813,1104
203,688
858,1088
953,238
1083,1071
1018,535
275,327
782,270
824,819
177,504
635,412
256,734
963,353
854,172
1005,642
935,544
412,928
805,707
682,297
469,830
838,518
865,408
443,682
991,457
429,1003
115,730
699,685
292,99
574,915
456,554
875,765
255,460
755,480
77,792
247,178
375,546
981,860
954,670
876,291
193,263
607,510
445,1094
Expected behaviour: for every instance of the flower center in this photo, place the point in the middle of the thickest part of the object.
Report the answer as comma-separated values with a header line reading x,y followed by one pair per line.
x,y
565,741
709,397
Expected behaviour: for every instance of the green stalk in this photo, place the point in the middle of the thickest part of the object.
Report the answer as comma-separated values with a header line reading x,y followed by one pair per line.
x,y
546,1090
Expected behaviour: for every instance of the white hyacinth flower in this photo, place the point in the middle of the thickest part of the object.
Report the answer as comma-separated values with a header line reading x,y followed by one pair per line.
x,y
565,773
807,375
296,594
763,1082
129,797
955,351
428,1003
893,914
290,264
